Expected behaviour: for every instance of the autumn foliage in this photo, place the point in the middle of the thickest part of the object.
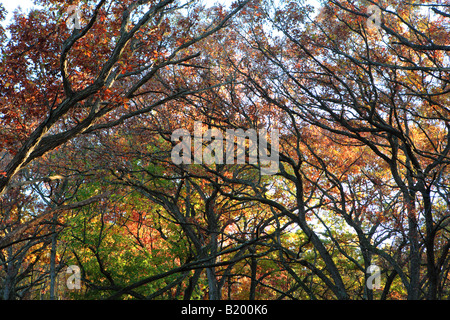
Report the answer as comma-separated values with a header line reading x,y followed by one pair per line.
x,y
87,179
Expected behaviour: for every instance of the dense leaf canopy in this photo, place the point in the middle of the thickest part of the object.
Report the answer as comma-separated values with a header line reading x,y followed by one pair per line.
x,y
358,93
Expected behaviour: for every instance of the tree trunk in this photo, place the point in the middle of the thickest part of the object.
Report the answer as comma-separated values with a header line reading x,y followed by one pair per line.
x,y
414,255
214,293
432,272
53,259
212,283
253,266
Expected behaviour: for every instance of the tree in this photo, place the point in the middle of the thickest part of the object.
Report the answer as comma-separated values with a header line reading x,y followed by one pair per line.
x,y
73,91
353,99
387,94
58,84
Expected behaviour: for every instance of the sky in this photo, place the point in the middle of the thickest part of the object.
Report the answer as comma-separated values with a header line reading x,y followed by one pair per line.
x,y
10,5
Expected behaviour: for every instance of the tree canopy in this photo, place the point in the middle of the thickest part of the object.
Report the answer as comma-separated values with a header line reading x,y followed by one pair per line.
x,y
352,95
